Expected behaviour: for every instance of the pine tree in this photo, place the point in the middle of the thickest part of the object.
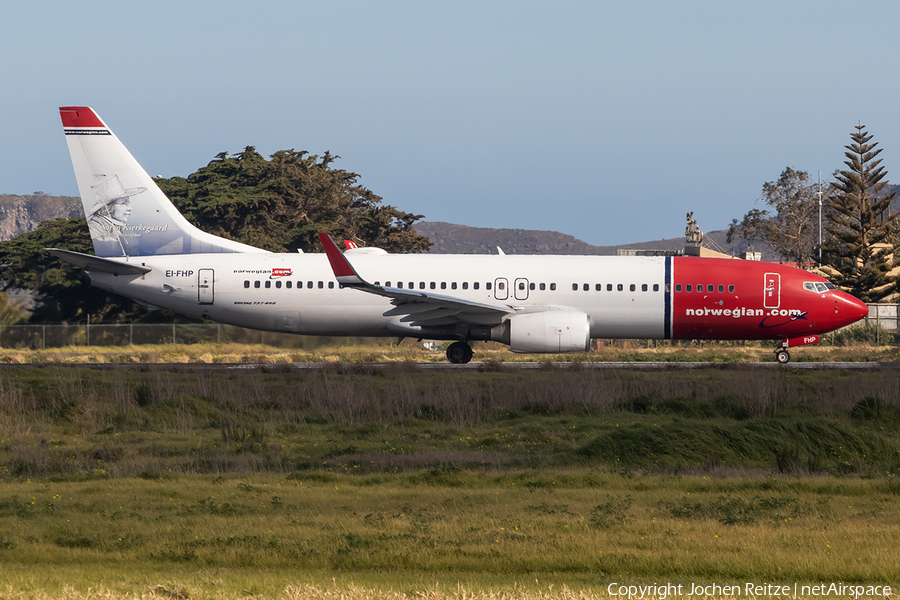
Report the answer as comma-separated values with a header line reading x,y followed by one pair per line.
x,y
862,242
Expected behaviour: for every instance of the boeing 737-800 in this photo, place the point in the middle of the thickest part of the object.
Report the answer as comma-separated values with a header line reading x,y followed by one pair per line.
x,y
146,250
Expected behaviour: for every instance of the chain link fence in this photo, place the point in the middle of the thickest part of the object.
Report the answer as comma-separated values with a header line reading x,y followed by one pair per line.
x,y
39,337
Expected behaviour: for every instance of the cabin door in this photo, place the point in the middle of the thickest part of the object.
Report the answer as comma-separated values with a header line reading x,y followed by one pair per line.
x,y
205,289
772,291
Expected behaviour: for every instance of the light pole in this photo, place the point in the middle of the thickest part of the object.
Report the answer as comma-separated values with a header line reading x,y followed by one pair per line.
x,y
820,219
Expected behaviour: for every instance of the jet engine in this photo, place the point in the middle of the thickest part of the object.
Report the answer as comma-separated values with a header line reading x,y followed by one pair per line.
x,y
547,331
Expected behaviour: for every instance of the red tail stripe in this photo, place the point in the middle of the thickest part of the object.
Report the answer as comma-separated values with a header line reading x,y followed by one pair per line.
x,y
79,116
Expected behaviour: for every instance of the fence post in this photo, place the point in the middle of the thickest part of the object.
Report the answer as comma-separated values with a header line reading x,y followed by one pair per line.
x,y
173,333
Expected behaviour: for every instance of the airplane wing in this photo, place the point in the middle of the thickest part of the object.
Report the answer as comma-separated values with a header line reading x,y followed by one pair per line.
x,y
417,308
96,263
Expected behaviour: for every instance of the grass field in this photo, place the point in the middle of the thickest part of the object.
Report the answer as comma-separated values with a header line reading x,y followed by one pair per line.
x,y
275,483
849,349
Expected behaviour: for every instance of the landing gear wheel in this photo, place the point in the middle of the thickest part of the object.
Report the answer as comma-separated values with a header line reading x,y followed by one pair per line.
x,y
782,356
459,353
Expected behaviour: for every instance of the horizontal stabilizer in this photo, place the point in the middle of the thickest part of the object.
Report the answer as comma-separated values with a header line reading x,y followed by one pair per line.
x,y
95,263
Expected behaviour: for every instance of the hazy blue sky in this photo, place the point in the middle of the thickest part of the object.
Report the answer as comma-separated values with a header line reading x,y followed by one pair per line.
x,y
605,120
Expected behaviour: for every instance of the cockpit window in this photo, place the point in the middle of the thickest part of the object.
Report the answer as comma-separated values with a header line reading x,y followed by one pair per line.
x,y
818,286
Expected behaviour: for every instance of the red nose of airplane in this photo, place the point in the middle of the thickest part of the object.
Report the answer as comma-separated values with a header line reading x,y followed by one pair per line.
x,y
854,309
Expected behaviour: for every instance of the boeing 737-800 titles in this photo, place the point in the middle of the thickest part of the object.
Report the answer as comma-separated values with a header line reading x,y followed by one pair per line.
x,y
144,249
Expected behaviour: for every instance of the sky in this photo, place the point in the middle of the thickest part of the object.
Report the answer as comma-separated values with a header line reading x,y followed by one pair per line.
x,y
608,121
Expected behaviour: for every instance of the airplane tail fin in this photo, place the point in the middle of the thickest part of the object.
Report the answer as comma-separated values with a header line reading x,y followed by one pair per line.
x,y
127,213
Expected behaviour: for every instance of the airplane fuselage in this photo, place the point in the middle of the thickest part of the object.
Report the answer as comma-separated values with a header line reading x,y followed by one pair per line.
x,y
624,297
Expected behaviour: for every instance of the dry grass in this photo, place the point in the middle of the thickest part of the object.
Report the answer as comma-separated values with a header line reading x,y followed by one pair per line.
x,y
609,351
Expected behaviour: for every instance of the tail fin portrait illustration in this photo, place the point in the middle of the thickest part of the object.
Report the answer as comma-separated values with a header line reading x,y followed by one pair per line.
x,y
127,213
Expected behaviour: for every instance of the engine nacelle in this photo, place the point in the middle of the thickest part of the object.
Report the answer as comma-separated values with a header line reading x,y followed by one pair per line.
x,y
547,331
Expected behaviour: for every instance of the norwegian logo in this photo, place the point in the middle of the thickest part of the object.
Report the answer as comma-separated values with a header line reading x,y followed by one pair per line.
x,y
276,273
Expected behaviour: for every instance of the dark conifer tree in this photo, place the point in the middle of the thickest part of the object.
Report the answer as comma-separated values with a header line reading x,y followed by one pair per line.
x,y
862,240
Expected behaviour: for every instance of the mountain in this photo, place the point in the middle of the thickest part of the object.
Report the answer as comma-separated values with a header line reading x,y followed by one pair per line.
x,y
19,214
461,239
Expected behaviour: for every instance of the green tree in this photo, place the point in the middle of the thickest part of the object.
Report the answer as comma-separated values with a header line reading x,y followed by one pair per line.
x,y
279,205
791,227
11,312
862,241
282,203
63,294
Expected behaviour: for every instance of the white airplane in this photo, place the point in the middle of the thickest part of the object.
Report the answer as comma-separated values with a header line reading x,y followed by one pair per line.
x,y
147,251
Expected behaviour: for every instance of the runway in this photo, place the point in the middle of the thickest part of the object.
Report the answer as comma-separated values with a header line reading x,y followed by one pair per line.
x,y
470,367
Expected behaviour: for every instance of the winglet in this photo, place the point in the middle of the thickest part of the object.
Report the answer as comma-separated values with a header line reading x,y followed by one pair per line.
x,y
343,270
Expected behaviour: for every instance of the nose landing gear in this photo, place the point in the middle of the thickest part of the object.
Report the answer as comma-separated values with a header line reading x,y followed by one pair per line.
x,y
459,353
782,356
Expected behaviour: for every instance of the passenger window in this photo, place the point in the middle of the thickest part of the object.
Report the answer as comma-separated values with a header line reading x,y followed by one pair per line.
x,y
731,289
443,285
421,285
246,283
400,284
543,287
433,285
278,284
531,286
631,287
574,287
709,288
655,287
598,287
256,284
330,285
268,284
387,284
689,288
321,285
465,285
411,285
586,287
678,287
552,287
500,286
309,284
522,286
721,288
620,287
288,284
608,287
699,288
453,285
643,287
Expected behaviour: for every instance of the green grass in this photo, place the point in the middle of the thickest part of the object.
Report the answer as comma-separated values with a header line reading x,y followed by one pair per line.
x,y
287,484
583,528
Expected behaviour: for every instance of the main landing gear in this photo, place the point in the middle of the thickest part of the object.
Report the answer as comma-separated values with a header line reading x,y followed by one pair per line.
x,y
459,353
